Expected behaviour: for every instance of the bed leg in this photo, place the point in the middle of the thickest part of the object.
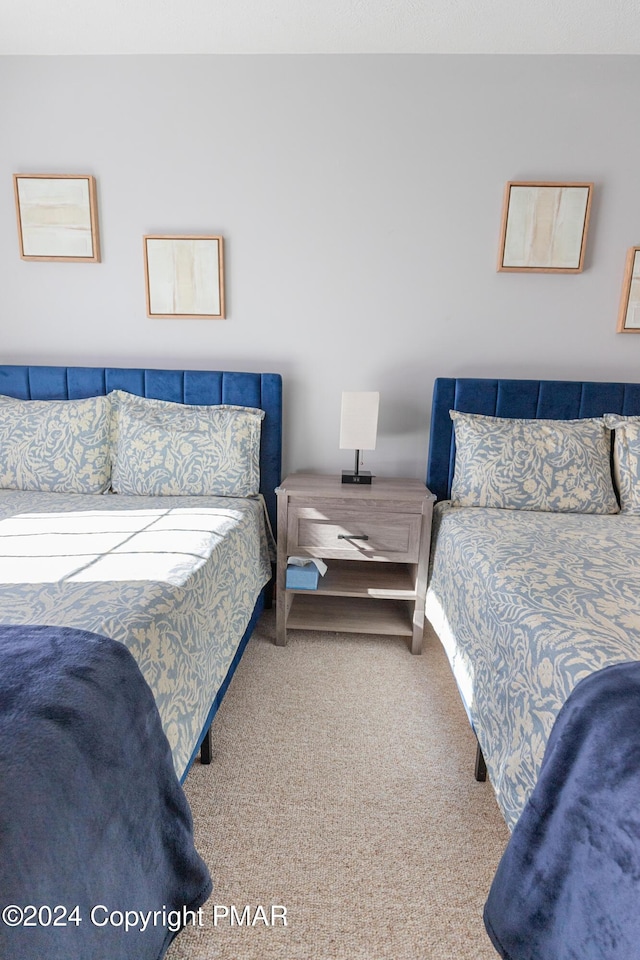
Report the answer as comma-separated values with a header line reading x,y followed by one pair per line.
x,y
268,593
480,772
205,748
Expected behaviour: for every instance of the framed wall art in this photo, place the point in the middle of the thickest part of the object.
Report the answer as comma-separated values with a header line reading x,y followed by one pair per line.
x,y
544,227
57,217
629,314
184,277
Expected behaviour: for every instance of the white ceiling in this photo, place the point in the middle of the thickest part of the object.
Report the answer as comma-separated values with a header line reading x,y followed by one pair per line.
x,y
319,26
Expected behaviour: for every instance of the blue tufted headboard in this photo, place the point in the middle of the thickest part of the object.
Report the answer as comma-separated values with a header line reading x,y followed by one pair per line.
x,y
545,399
262,390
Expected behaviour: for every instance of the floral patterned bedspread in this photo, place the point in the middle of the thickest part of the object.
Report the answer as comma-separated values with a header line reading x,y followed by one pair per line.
x,y
173,578
527,604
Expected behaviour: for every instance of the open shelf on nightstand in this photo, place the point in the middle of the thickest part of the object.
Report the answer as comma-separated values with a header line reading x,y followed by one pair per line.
x,y
349,615
354,578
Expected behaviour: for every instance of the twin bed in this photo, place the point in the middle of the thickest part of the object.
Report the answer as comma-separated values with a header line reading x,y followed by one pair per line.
x,y
147,583
534,592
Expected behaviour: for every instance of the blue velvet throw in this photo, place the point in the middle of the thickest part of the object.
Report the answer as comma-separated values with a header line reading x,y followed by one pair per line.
x,y
95,831
568,885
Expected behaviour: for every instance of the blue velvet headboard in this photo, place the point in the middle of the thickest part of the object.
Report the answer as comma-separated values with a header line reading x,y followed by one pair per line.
x,y
546,399
263,390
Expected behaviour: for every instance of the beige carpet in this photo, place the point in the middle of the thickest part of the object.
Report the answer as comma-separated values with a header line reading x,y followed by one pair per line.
x,y
342,788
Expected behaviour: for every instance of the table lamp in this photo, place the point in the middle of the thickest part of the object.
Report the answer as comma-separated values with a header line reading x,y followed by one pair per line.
x,y
358,429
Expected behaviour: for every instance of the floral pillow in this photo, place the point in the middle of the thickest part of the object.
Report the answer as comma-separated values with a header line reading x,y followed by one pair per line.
x,y
55,446
551,465
626,459
173,449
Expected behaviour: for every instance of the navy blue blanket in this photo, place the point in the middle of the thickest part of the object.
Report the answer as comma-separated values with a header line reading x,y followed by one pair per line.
x,y
93,821
568,885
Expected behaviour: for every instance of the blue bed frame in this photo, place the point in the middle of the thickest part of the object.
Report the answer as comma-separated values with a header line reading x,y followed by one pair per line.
x,y
263,390
543,399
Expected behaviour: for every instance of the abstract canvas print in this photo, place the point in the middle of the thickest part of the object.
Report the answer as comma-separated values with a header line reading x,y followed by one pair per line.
x,y
544,227
629,315
57,217
184,277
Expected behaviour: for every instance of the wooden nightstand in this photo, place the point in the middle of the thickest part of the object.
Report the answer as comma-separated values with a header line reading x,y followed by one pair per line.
x,y
375,541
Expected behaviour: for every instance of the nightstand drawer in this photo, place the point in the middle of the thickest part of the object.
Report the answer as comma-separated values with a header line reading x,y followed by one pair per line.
x,y
343,533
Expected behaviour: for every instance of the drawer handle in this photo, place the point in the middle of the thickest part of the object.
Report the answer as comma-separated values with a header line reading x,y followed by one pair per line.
x,y
352,536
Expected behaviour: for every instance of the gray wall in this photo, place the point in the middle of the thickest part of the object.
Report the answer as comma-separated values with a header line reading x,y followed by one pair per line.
x,y
360,200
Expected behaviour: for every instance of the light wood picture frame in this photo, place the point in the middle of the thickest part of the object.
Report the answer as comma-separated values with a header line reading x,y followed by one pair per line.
x,y
544,227
184,276
57,217
629,313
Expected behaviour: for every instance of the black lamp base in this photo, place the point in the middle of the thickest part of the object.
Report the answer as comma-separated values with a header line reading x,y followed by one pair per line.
x,y
363,476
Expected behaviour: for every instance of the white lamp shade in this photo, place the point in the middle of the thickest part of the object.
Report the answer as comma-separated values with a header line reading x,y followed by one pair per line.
x,y
359,421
